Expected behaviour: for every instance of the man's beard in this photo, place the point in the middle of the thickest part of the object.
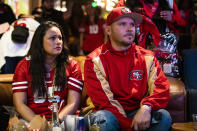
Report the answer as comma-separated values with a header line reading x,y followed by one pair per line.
x,y
126,43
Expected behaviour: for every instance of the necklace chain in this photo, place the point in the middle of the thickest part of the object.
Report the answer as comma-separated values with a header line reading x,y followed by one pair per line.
x,y
50,90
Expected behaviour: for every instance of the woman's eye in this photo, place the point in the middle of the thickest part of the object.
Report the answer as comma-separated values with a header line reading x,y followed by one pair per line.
x,y
60,38
52,38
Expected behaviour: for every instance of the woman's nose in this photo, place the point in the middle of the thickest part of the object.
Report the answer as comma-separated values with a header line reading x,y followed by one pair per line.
x,y
58,41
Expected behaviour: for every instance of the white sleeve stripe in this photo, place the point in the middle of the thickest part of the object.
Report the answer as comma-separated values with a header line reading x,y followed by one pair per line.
x,y
75,85
48,81
21,87
76,80
18,83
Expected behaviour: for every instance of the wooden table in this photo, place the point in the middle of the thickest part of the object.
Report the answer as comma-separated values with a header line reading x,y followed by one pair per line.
x,y
188,126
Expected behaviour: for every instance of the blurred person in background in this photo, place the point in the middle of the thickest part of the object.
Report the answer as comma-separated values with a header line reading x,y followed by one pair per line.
x,y
92,29
193,24
47,12
74,24
6,13
7,16
15,43
46,75
164,13
185,7
37,13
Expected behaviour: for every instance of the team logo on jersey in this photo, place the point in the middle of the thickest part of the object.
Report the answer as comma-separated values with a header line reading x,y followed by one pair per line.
x,y
50,107
126,10
136,75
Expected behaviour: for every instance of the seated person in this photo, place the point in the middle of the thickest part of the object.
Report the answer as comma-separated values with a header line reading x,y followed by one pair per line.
x,y
46,75
125,81
15,43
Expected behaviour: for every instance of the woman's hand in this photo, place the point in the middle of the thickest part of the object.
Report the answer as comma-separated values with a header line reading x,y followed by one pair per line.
x,y
73,102
20,100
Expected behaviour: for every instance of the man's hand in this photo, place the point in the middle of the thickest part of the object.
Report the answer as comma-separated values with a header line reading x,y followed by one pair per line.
x,y
142,119
166,15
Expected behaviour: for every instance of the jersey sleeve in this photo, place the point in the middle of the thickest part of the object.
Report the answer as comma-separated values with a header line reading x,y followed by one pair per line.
x,y
158,85
98,89
75,81
20,83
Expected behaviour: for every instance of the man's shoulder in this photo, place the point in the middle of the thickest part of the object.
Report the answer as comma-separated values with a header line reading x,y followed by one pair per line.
x,y
143,51
97,52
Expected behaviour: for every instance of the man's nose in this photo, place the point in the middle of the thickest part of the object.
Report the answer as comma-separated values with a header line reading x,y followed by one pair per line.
x,y
129,28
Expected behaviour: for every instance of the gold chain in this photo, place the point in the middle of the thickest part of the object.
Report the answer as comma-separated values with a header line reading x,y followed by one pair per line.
x,y
50,92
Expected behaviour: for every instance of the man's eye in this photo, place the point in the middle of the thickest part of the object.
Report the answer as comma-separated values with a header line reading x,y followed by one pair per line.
x,y
122,24
132,24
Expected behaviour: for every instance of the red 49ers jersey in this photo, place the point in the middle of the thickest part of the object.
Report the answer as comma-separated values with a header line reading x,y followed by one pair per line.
x,y
42,106
93,35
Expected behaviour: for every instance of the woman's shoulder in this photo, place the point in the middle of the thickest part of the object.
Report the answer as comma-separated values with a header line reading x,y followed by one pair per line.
x,y
25,61
23,65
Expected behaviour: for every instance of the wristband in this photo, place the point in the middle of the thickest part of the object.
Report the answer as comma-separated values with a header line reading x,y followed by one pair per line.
x,y
150,107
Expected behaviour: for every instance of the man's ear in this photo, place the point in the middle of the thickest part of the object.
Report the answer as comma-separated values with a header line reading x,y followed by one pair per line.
x,y
108,30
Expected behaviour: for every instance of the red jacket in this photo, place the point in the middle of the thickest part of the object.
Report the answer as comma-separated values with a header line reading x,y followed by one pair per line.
x,y
122,81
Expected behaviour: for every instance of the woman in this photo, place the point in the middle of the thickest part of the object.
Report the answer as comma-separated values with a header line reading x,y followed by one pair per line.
x,y
47,75
92,30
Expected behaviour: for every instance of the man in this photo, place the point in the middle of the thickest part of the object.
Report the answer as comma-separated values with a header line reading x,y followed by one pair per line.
x,y
125,81
49,13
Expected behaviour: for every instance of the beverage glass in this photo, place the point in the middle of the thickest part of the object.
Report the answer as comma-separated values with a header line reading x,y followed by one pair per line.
x,y
74,123
70,123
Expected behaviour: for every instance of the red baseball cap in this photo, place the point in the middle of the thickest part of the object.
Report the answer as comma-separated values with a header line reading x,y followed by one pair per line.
x,y
120,12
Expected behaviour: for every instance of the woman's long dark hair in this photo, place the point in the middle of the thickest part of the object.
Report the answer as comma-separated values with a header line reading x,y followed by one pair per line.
x,y
37,61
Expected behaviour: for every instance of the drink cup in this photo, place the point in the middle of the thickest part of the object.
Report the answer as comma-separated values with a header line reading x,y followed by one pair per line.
x,y
56,129
70,123
74,123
